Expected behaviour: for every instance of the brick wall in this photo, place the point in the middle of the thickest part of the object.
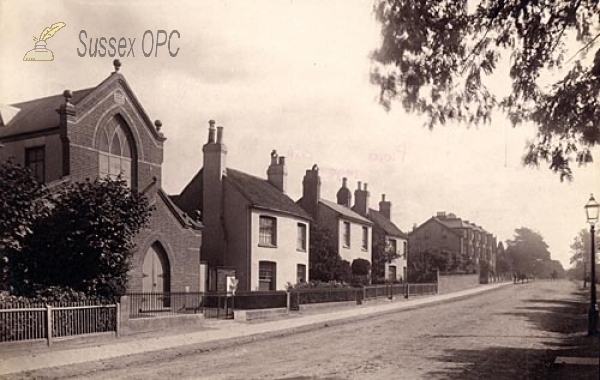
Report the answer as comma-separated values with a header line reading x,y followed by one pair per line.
x,y
182,246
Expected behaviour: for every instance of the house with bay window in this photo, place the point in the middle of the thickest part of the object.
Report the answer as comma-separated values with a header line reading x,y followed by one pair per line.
x,y
104,131
253,230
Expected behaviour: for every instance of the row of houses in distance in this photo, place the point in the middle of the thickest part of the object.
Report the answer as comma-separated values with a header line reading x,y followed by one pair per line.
x,y
467,245
224,222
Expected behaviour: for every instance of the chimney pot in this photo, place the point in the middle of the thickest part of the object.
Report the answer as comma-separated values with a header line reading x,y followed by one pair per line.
x,y
273,157
219,135
383,197
281,160
365,188
211,131
359,185
344,182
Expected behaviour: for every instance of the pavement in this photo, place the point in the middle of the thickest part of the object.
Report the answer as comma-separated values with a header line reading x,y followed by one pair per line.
x,y
65,353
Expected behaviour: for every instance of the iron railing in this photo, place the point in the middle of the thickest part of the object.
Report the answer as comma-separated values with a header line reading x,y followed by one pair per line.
x,y
322,295
29,321
150,305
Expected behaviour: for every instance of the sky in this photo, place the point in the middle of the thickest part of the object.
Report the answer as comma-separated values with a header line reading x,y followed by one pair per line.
x,y
294,76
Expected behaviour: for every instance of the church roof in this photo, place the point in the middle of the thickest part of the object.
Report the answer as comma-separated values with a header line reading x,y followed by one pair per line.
x,y
38,114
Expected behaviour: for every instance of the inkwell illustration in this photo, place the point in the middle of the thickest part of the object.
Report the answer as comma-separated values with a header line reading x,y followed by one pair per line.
x,y
40,53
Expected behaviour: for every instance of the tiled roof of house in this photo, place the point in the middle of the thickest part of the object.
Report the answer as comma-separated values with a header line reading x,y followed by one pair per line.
x,y
345,212
261,193
38,114
385,224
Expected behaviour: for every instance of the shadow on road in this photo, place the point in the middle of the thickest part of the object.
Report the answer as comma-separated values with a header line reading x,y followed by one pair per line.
x,y
565,320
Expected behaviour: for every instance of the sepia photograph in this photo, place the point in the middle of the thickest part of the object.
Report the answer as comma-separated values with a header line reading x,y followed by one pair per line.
x,y
299,189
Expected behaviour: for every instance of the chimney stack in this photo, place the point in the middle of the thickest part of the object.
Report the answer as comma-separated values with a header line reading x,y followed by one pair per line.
x,y
277,172
214,168
385,207
344,196
361,200
311,192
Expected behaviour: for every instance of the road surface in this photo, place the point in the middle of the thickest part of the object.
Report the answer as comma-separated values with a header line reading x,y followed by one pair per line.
x,y
506,333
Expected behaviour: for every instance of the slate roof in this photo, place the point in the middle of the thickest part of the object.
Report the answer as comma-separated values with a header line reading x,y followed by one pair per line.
x,y
459,223
385,224
455,223
39,114
261,193
345,212
258,191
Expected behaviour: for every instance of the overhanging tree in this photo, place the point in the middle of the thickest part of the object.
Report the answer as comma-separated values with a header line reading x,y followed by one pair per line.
x,y
435,57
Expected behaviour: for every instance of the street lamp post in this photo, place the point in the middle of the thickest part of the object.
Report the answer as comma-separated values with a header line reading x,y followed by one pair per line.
x,y
591,209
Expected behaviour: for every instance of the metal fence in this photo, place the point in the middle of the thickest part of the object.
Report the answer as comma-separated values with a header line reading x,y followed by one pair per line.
x,y
150,305
387,291
321,295
28,321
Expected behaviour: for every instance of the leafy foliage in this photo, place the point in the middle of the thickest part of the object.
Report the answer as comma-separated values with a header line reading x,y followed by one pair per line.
x,y
325,264
528,253
84,243
581,248
22,203
437,56
382,254
361,267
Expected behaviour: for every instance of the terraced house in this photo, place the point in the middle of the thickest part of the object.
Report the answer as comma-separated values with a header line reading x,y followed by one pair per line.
x,y
105,131
254,231
395,240
351,231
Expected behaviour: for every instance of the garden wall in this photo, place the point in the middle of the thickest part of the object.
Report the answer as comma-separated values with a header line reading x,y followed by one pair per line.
x,y
456,282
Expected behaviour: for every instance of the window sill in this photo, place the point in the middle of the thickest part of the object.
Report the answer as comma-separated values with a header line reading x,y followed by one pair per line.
x,y
301,250
364,249
267,245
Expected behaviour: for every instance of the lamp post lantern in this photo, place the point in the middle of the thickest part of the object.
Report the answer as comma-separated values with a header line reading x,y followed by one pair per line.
x,y
591,210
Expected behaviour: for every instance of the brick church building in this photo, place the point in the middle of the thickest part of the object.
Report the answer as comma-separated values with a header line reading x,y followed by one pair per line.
x,y
105,131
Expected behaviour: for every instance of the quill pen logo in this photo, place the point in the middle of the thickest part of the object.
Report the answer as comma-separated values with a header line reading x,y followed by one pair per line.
x,y
41,53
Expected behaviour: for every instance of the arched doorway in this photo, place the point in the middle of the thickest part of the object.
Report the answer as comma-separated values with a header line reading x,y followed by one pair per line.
x,y
156,270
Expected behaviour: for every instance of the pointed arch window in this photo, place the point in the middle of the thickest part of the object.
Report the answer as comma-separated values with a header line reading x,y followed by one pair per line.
x,y
115,151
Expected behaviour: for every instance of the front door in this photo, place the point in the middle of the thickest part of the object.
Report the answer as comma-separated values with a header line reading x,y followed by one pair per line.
x,y
155,271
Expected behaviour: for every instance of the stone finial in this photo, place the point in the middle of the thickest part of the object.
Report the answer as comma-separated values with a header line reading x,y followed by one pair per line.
x,y
68,95
117,65
158,124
